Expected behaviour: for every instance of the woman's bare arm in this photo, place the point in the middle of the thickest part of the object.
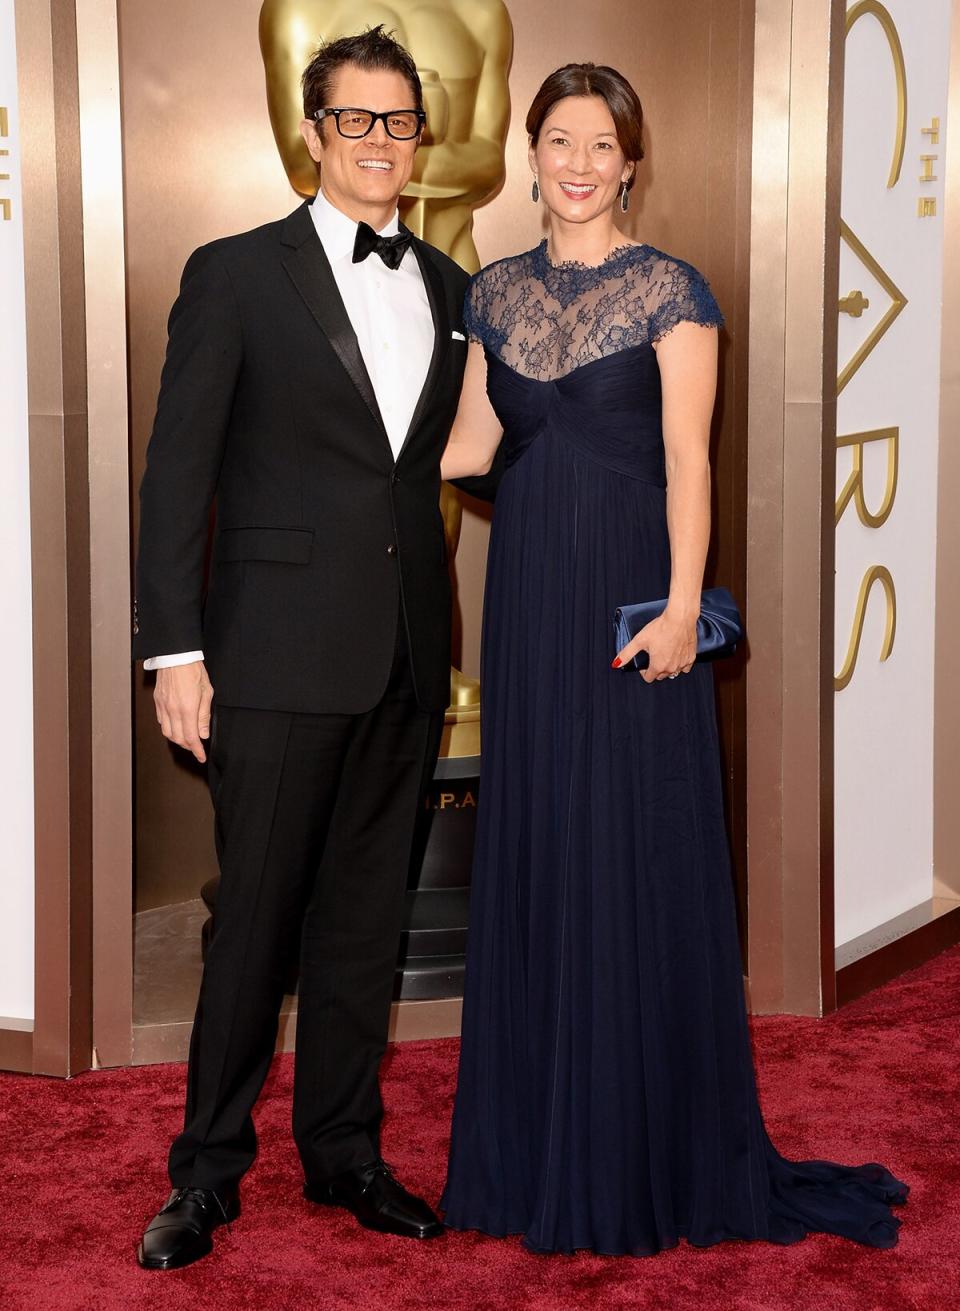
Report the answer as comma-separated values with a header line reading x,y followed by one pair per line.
x,y
476,430
687,357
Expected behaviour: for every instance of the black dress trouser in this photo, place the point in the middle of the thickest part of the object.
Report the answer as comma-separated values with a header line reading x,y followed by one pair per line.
x,y
315,817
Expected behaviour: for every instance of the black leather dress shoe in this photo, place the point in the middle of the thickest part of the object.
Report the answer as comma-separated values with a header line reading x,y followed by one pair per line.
x,y
179,1233
378,1201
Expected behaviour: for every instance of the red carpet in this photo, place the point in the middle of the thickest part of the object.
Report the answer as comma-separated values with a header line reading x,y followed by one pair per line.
x,y
82,1170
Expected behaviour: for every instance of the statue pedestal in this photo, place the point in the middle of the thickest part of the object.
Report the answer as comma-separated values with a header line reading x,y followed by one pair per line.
x,y
434,941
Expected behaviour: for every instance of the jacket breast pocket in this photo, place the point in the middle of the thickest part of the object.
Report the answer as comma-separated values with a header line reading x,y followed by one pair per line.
x,y
285,545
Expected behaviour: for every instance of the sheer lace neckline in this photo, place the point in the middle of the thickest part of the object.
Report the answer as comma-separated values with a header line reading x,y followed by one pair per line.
x,y
545,320
618,255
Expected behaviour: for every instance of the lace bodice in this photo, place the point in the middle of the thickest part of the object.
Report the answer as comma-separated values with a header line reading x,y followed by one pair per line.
x,y
545,320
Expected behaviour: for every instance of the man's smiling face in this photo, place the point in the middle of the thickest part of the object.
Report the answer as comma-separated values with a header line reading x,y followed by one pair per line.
x,y
363,176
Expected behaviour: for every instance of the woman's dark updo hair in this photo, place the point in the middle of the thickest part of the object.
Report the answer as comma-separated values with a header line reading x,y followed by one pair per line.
x,y
594,80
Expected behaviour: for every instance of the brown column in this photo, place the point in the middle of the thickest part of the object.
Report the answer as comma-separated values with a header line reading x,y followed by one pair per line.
x,y
792,431
104,265
946,724
46,45
79,505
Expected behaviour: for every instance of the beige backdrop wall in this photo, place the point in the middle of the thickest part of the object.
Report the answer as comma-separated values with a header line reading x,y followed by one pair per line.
x,y
200,162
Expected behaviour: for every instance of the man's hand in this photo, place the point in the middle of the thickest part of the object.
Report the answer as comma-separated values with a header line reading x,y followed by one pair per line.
x,y
183,697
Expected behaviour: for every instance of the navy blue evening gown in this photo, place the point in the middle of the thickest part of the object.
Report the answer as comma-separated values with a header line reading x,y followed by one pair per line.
x,y
606,1095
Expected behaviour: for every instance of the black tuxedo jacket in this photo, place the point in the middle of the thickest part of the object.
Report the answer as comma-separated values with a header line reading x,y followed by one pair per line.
x,y
321,540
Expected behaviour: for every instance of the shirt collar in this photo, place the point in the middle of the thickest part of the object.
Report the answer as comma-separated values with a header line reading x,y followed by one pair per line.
x,y
337,231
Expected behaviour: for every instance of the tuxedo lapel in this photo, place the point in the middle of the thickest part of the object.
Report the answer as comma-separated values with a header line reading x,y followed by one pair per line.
x,y
436,295
309,269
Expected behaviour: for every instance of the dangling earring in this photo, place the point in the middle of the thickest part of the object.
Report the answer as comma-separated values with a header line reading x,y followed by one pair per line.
x,y
535,191
624,198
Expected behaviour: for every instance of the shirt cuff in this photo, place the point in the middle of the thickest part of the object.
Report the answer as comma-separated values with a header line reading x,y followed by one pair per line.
x,y
168,661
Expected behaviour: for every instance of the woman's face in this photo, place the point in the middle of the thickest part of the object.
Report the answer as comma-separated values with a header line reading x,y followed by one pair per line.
x,y
578,161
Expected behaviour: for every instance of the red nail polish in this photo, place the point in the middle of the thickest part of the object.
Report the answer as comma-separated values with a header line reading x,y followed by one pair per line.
x,y
617,662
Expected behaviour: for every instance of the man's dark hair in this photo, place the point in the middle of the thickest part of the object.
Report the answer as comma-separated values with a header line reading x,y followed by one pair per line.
x,y
375,48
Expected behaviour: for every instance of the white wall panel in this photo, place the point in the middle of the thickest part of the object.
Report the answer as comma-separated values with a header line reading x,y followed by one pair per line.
x,y
884,716
16,661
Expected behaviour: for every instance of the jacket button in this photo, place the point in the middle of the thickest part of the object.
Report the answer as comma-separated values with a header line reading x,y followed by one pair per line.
x,y
395,478
391,549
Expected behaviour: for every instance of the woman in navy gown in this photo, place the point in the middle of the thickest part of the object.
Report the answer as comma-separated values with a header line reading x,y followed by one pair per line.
x,y
606,1096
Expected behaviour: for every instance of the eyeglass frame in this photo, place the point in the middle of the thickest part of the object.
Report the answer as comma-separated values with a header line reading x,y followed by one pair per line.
x,y
337,110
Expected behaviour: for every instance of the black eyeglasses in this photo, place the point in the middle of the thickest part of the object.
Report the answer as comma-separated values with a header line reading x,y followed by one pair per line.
x,y
401,124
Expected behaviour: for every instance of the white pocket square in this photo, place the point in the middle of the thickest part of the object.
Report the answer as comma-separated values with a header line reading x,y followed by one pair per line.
x,y
458,336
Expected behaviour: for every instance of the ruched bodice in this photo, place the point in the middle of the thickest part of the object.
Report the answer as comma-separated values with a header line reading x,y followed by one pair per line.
x,y
607,409
606,1097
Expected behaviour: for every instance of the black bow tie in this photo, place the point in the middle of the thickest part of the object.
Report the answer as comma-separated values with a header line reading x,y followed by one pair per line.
x,y
390,249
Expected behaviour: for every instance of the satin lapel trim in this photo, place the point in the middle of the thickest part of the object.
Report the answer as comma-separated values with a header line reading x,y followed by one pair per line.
x,y
310,272
436,295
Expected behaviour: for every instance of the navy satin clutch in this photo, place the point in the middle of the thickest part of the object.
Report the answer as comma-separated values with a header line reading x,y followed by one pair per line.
x,y
719,627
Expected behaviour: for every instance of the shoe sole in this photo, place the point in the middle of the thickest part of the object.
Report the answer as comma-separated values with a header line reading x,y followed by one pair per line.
x,y
430,1231
174,1262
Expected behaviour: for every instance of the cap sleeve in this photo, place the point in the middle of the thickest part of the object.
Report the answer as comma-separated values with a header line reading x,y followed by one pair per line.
x,y
684,297
474,310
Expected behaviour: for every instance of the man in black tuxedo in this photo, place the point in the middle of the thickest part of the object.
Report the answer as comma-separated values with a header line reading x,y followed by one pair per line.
x,y
312,376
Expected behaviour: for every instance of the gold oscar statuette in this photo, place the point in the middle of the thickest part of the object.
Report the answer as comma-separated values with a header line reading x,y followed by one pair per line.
x,y
462,49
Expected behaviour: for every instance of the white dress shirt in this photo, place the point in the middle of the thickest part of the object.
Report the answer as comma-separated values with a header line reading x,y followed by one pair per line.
x,y
390,314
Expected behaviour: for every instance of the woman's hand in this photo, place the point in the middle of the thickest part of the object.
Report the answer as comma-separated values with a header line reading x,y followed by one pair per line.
x,y
671,642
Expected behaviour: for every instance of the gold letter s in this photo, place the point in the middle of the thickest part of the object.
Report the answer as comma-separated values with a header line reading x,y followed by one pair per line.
x,y
877,573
